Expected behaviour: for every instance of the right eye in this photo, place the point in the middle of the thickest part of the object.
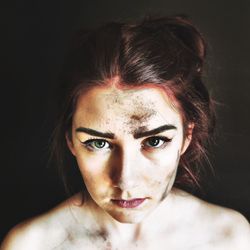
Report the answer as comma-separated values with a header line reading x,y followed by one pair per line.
x,y
96,144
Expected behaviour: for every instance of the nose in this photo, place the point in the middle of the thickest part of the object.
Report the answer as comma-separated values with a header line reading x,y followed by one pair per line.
x,y
124,169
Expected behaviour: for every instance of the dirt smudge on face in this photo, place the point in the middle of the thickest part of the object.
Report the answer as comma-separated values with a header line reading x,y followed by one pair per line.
x,y
139,115
130,106
172,177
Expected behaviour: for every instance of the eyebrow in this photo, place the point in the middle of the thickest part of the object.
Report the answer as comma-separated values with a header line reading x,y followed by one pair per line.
x,y
139,134
96,133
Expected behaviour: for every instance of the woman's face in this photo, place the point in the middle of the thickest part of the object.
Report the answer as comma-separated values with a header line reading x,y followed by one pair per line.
x,y
127,144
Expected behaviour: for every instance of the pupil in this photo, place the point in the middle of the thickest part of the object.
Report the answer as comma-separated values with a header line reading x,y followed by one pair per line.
x,y
99,144
154,141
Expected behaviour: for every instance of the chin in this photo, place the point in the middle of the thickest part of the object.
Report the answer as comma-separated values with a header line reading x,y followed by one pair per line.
x,y
129,217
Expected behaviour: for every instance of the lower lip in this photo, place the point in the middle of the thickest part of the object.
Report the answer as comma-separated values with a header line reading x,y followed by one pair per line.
x,y
129,203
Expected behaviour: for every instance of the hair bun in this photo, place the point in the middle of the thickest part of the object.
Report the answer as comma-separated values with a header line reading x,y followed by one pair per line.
x,y
184,32
182,27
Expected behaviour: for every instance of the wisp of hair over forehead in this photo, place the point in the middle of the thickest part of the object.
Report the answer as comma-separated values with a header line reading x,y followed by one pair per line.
x,y
167,52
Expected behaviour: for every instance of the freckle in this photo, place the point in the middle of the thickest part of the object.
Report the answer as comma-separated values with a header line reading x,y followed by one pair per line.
x,y
227,232
136,117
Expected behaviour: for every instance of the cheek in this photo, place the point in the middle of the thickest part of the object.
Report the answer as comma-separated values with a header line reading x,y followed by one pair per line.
x,y
92,169
163,170
95,177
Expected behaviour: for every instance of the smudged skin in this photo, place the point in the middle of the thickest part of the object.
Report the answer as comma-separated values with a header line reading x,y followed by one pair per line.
x,y
172,178
130,162
127,167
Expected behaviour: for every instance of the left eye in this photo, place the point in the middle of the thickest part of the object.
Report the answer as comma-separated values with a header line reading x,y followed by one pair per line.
x,y
155,142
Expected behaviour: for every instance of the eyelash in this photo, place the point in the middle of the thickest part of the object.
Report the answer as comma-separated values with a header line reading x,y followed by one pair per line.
x,y
90,147
165,141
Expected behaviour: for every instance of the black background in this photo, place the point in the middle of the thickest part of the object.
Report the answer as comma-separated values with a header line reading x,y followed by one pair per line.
x,y
34,38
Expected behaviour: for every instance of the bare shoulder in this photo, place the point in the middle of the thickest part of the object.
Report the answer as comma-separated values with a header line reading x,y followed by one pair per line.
x,y
225,228
233,227
233,230
45,231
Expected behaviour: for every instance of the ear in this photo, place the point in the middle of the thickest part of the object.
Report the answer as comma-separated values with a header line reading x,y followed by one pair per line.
x,y
70,144
187,138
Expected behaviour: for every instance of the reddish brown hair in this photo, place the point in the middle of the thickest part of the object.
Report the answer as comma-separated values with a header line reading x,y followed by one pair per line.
x,y
167,52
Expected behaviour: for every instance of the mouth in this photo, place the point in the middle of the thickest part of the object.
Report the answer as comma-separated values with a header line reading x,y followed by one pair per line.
x,y
128,203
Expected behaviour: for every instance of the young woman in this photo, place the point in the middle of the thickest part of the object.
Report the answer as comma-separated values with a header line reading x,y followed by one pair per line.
x,y
136,117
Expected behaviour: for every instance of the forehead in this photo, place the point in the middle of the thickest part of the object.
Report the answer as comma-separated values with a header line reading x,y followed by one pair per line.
x,y
110,107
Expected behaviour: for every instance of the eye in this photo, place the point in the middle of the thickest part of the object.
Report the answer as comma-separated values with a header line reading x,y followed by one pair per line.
x,y
96,144
155,142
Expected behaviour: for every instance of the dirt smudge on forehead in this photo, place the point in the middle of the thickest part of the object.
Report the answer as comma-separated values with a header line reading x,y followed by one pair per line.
x,y
140,114
133,108
141,117
139,120
128,104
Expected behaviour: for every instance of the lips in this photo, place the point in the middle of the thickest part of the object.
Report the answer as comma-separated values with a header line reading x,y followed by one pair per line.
x,y
128,203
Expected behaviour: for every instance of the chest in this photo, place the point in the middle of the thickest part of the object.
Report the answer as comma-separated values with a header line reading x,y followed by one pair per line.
x,y
174,238
163,243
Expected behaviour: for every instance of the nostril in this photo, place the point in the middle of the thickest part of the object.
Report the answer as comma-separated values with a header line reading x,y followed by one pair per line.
x,y
115,176
125,184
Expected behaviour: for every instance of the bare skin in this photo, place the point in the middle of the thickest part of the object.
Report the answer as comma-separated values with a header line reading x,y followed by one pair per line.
x,y
133,155
186,223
